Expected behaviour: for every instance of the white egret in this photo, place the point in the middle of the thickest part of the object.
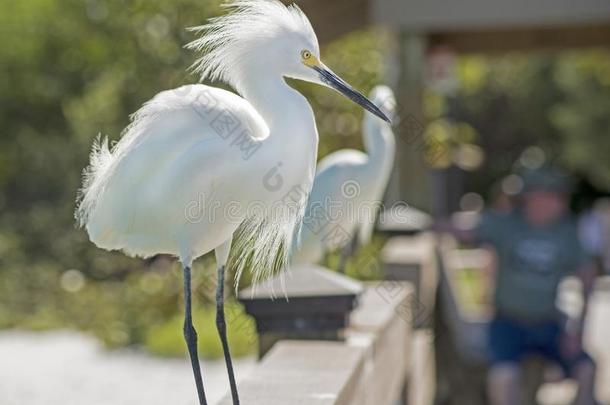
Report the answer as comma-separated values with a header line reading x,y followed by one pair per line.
x,y
348,189
199,167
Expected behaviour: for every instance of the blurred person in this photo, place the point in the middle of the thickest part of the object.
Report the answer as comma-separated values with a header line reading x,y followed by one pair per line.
x,y
536,246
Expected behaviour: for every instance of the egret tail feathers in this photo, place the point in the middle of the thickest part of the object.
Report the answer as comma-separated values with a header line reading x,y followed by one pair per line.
x,y
263,242
99,159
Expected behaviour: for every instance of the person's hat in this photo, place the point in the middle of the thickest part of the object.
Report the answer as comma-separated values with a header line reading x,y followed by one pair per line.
x,y
545,179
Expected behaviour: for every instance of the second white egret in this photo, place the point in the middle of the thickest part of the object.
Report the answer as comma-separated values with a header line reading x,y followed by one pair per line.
x,y
348,189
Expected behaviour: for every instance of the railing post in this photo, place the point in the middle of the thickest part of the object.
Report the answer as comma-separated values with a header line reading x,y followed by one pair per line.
x,y
307,303
409,255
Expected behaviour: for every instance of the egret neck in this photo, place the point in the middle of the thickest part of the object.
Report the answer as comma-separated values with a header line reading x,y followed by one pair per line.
x,y
293,137
379,144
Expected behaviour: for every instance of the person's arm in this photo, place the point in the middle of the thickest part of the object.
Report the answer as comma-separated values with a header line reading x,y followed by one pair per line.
x,y
462,235
575,327
474,229
587,274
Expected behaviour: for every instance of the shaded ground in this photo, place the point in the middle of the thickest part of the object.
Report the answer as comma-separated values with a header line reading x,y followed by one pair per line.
x,y
68,368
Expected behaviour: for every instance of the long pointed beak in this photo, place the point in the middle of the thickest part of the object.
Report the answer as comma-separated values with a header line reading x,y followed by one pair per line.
x,y
329,78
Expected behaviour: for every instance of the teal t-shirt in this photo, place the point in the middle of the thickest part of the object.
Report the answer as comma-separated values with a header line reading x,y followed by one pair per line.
x,y
531,262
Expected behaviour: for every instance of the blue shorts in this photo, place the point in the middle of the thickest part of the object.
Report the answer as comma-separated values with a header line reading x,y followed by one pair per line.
x,y
510,341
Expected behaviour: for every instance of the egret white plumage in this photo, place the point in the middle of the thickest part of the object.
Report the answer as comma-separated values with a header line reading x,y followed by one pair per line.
x,y
200,168
348,189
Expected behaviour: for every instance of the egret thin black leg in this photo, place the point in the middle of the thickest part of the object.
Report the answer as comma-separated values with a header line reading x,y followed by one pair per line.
x,y
222,331
190,335
347,251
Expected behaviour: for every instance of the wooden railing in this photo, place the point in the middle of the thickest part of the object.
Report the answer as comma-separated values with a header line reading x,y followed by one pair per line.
x,y
413,259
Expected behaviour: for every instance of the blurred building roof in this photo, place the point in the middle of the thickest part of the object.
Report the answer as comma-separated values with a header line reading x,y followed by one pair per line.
x,y
472,25
333,18
441,15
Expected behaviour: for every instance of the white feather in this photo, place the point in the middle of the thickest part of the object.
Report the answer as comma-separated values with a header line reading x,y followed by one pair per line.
x,y
235,43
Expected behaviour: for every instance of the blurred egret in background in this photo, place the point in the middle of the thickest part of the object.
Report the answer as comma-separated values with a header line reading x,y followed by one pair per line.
x,y
184,176
348,189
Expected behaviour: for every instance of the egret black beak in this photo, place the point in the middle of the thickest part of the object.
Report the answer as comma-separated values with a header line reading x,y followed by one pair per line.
x,y
329,78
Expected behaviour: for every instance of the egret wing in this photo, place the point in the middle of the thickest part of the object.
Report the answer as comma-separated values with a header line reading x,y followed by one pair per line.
x,y
121,181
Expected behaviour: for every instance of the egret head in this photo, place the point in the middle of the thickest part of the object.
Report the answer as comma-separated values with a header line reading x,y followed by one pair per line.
x,y
261,38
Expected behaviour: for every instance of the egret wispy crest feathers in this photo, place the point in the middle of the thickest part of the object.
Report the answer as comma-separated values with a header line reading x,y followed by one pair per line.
x,y
232,42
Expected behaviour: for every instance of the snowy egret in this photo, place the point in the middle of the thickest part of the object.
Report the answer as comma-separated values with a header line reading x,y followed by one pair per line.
x,y
347,190
195,160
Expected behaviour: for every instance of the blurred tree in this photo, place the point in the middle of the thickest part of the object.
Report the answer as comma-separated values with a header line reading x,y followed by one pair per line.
x,y
558,101
582,116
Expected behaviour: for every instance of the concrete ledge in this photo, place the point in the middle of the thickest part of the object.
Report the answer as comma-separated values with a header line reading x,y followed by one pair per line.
x,y
468,329
414,259
368,368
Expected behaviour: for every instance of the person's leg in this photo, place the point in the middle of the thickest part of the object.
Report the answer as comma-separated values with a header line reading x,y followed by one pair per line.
x,y
580,366
506,345
504,384
584,372
347,252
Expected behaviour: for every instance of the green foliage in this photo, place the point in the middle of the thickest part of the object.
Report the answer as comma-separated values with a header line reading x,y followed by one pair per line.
x,y
582,115
558,101
166,339
364,264
473,289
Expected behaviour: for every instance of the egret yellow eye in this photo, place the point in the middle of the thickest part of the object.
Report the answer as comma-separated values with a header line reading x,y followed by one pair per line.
x,y
305,54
